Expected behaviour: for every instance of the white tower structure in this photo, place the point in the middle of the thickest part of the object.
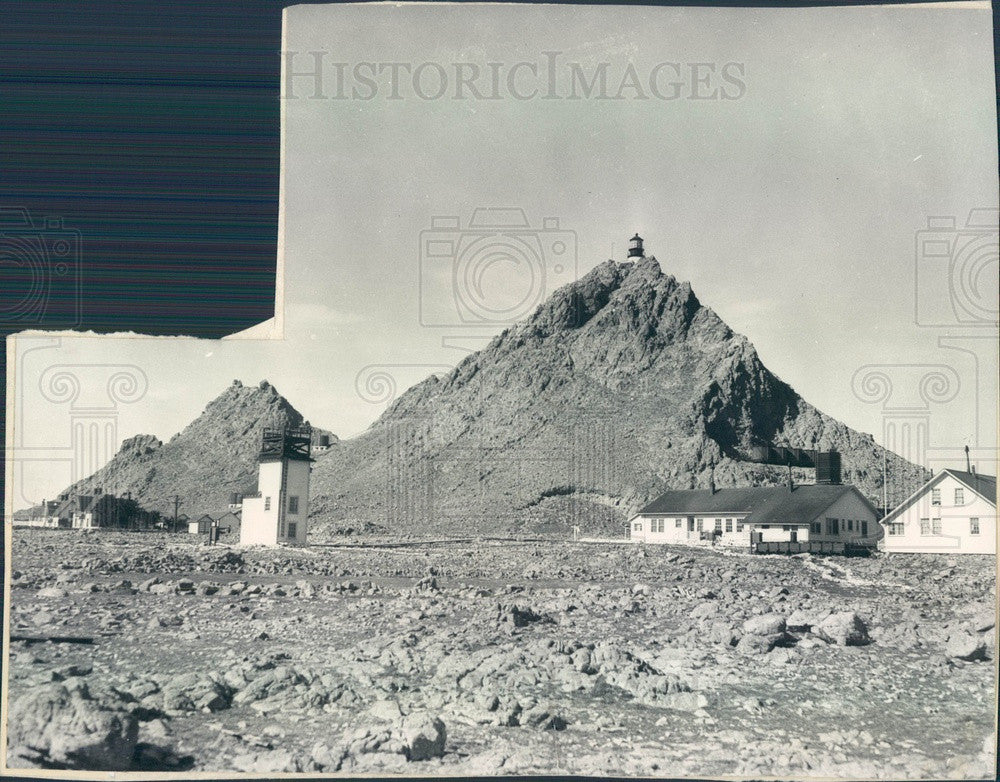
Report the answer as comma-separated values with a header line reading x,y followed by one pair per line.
x,y
279,512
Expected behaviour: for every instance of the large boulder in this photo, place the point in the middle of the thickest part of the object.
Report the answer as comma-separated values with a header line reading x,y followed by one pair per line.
x,y
423,736
845,628
55,726
766,624
966,646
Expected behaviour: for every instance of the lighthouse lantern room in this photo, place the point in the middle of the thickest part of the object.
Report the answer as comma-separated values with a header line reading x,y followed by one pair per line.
x,y
635,248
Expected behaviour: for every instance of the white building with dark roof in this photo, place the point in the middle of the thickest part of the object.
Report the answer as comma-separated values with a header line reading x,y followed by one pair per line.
x,y
812,517
955,512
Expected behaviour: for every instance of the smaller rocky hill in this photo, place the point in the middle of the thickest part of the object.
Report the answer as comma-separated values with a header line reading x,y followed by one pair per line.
x,y
216,454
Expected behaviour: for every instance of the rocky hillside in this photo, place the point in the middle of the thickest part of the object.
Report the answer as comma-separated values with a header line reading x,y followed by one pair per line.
x,y
213,456
619,386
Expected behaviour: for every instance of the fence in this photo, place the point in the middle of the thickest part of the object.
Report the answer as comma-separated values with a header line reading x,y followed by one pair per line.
x,y
838,547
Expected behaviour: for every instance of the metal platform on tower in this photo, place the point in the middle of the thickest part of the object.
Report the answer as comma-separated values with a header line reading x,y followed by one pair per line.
x,y
286,443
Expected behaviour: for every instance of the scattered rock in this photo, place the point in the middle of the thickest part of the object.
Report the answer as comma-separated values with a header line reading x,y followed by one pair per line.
x,y
758,644
844,628
518,616
195,692
800,620
53,726
983,620
423,736
767,624
966,646
386,710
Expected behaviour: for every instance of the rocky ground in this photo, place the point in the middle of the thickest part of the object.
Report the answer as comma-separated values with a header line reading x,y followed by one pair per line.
x,y
482,657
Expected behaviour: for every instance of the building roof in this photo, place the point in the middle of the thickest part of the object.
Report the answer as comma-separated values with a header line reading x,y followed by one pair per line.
x,y
760,504
983,485
219,515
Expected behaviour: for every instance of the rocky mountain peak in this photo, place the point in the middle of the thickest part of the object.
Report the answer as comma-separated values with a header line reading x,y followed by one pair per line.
x,y
619,386
241,405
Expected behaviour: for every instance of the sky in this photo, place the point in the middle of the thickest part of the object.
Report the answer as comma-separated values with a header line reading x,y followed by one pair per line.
x,y
784,161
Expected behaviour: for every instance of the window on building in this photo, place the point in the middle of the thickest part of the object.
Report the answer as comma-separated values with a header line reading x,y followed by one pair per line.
x,y
718,525
700,525
831,526
739,525
896,528
729,525
678,523
292,529
637,527
850,525
935,496
658,525
959,496
293,504
864,528
267,503
816,527
925,526
974,526
936,526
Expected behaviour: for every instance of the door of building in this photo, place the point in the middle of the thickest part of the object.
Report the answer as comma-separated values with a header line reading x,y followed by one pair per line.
x,y
794,535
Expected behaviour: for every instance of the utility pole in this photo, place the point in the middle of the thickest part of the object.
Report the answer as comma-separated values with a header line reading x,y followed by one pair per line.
x,y
885,483
177,504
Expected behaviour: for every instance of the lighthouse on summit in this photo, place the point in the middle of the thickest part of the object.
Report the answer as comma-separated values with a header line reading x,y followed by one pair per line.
x,y
635,248
635,252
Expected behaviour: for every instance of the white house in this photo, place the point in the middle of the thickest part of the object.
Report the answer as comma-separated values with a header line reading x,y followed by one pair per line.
x,y
803,516
953,513
278,512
